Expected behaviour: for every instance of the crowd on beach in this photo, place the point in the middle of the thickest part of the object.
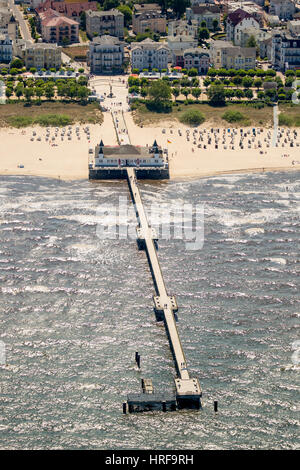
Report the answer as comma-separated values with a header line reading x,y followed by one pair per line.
x,y
238,139
64,133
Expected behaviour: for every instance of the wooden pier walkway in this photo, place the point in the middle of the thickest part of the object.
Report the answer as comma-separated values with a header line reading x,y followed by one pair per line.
x,y
188,391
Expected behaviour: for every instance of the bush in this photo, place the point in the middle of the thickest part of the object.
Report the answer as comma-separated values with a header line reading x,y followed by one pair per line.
x,y
43,120
20,121
53,120
160,106
233,116
285,120
192,118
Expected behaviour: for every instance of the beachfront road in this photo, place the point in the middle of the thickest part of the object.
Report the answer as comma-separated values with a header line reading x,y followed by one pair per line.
x,y
22,23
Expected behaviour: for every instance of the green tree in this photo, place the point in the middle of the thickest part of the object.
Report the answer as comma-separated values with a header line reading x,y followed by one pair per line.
x,y
186,92
215,24
49,91
127,12
193,72
216,95
19,91
160,91
248,94
82,92
160,96
257,83
247,82
179,6
203,34
110,4
16,64
83,21
39,92
29,93
196,92
8,92
175,92
251,42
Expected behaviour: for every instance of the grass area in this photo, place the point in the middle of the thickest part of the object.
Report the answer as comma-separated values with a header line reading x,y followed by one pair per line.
x,y
214,115
83,36
289,115
76,52
49,113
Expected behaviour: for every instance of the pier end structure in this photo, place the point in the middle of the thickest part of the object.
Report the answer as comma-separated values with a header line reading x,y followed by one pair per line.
x,y
110,162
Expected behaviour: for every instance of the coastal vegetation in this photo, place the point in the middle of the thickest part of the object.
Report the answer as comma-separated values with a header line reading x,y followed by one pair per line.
x,y
233,116
256,115
49,113
193,117
289,115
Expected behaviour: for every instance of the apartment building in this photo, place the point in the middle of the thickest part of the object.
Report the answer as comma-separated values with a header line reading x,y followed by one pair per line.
x,y
39,55
141,7
197,58
284,9
182,27
149,55
178,44
105,22
224,54
208,13
149,20
294,27
286,50
236,23
8,24
6,49
106,55
71,10
59,29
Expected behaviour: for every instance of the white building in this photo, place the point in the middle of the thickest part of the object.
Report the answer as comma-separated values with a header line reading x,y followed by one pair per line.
x,y
150,55
236,23
106,55
181,27
6,49
205,12
286,50
284,9
294,27
128,155
179,44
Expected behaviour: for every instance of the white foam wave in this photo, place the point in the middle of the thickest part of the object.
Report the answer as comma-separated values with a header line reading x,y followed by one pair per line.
x,y
254,230
277,260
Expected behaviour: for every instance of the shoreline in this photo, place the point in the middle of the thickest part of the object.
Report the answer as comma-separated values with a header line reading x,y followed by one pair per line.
x,y
48,153
179,178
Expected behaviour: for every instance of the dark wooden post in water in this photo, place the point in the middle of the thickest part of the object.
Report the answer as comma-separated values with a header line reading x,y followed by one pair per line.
x,y
188,391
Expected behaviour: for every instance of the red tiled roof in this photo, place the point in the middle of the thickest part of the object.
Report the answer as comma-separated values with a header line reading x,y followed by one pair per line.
x,y
55,20
67,8
238,15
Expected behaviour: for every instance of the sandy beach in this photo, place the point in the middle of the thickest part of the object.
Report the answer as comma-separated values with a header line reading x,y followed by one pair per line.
x,y
187,160
57,157
189,156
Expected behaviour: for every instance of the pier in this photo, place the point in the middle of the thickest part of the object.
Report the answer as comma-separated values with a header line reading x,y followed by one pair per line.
x,y
188,391
131,162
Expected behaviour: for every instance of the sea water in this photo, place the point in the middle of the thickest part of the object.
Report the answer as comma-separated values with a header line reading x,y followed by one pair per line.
x,y
74,309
